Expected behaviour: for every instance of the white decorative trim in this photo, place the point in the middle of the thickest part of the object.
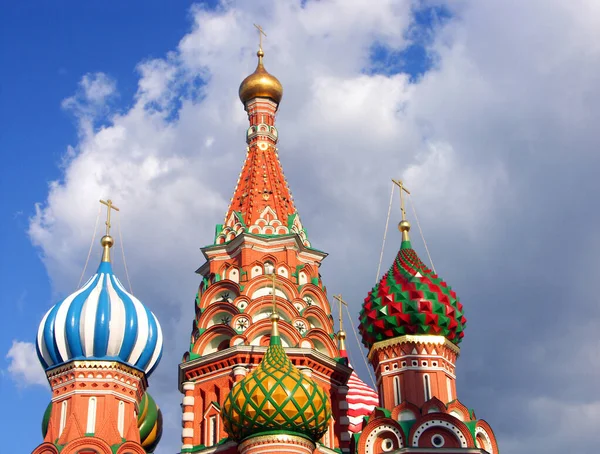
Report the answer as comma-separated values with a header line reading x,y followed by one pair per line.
x,y
121,418
440,444
188,386
91,415
488,441
427,387
188,400
95,392
414,338
187,416
63,417
188,432
439,423
240,370
397,390
370,443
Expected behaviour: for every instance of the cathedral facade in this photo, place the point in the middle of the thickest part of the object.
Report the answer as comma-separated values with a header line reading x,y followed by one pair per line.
x,y
266,370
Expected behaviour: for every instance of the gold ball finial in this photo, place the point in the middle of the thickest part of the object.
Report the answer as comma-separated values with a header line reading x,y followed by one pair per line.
x,y
260,53
404,227
107,241
341,335
274,324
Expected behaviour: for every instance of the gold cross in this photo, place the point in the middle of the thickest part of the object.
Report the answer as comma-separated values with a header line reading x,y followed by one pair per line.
x,y
261,32
340,303
403,189
110,206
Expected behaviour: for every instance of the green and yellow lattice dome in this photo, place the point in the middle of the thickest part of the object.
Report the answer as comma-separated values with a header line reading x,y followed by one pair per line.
x,y
150,423
276,398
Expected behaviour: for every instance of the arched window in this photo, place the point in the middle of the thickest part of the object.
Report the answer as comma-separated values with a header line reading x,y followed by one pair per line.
x,y
302,278
427,386
449,388
213,433
63,417
91,416
269,268
397,392
121,418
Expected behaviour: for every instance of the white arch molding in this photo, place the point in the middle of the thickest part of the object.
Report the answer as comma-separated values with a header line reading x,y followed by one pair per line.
x,y
439,423
370,443
488,442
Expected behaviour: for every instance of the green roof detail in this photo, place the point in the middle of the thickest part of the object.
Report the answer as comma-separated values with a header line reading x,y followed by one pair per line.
x,y
46,419
276,398
411,299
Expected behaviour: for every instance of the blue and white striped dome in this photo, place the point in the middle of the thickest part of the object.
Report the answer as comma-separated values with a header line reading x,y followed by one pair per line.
x,y
100,321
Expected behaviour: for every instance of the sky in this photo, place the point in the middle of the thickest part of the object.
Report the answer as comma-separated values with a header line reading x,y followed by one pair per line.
x,y
486,109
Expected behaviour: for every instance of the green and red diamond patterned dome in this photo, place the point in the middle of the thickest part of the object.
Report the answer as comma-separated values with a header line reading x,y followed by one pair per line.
x,y
411,299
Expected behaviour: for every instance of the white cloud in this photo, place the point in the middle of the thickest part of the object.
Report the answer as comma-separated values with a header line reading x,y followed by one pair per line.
x,y
90,102
24,367
493,142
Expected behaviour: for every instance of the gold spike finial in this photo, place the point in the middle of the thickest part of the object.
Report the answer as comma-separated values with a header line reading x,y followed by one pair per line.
x,y
404,225
107,241
341,333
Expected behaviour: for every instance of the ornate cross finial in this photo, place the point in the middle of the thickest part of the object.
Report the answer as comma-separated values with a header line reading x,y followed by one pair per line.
x,y
261,33
110,206
341,334
341,303
403,189
107,241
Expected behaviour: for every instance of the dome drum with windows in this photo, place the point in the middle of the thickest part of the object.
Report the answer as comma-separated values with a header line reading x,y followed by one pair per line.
x,y
410,299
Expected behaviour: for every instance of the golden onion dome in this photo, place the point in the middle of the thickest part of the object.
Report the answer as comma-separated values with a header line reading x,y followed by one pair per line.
x,y
260,84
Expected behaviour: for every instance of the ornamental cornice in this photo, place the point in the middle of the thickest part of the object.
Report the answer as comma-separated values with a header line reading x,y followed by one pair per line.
x,y
133,396
276,439
259,241
413,339
241,355
96,365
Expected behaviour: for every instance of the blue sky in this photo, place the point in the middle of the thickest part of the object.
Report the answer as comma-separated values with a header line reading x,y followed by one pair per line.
x,y
490,118
48,49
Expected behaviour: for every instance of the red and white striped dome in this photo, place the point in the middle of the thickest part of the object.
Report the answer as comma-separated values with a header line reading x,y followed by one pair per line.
x,y
362,399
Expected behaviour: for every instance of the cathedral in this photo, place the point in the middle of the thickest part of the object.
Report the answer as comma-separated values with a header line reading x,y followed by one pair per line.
x,y
266,370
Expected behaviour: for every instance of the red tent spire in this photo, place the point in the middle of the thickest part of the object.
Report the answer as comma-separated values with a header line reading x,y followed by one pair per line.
x,y
262,203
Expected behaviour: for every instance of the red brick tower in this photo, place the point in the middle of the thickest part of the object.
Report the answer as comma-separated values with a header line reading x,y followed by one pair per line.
x,y
412,323
262,239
